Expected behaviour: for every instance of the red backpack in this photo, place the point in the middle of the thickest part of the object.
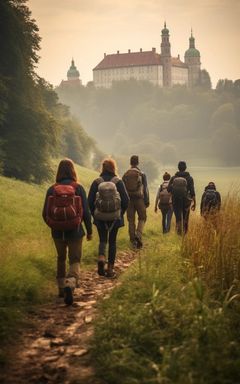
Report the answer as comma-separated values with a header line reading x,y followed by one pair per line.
x,y
64,208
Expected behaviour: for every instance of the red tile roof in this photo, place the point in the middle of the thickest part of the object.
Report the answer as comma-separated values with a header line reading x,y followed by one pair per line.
x,y
129,59
176,62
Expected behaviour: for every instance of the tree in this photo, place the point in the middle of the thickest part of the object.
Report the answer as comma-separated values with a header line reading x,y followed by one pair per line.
x,y
205,80
226,143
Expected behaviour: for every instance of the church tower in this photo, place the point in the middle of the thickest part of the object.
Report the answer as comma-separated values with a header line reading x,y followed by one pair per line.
x,y
73,74
192,59
166,57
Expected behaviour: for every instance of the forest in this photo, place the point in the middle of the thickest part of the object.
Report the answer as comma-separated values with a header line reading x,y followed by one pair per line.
x,y
201,124
31,116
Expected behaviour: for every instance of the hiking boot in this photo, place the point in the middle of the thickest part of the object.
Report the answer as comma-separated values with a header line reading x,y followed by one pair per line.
x,y
68,296
110,273
139,242
101,270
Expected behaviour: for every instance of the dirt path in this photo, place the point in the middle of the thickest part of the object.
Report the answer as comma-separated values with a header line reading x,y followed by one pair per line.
x,y
55,348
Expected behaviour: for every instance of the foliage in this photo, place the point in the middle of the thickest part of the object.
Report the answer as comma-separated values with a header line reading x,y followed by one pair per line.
x,y
159,327
33,124
137,117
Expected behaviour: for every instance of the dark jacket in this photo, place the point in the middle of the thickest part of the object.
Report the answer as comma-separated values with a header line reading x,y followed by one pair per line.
x,y
78,232
107,176
145,187
190,183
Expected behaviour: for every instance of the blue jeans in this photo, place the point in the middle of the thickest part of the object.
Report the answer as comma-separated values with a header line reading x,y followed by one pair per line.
x,y
166,218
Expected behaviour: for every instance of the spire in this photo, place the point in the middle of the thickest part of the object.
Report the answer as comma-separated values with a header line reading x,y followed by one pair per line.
x,y
165,25
191,40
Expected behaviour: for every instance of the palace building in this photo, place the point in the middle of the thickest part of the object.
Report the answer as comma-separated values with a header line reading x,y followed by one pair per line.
x,y
159,68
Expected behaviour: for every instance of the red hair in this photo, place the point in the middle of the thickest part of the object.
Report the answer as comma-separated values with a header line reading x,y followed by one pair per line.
x,y
66,170
109,165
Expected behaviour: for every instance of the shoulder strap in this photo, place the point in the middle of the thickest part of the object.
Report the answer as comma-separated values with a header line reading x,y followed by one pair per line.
x,y
115,180
99,180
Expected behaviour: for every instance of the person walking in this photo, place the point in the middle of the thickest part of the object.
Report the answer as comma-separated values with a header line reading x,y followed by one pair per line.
x,y
210,201
136,184
163,201
181,186
64,210
108,201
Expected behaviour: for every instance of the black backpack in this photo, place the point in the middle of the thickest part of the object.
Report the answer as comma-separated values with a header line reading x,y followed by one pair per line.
x,y
210,200
179,187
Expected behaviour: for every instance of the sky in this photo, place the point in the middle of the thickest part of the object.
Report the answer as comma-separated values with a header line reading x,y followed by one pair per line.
x,y
86,29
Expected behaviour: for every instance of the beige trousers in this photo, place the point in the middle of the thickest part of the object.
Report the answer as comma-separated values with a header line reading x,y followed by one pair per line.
x,y
136,206
72,249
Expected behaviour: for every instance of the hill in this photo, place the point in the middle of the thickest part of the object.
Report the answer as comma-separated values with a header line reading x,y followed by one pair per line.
x,y
27,261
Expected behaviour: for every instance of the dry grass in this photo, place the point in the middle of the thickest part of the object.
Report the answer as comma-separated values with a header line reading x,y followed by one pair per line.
x,y
213,247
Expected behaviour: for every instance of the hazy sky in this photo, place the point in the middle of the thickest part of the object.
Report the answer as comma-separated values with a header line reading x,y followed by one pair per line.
x,y
85,29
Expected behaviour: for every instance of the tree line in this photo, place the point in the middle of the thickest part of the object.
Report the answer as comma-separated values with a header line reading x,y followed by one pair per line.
x,y
34,125
201,125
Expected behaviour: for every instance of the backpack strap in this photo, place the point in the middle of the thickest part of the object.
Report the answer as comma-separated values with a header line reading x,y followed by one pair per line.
x,y
115,180
99,180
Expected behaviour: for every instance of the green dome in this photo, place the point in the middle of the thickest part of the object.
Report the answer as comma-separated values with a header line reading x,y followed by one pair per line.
x,y
192,52
73,72
165,31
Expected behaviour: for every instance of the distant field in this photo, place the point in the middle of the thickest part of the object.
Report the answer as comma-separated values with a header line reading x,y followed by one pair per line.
x,y
224,178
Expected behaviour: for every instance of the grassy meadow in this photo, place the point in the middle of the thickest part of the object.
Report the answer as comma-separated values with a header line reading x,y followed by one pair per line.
x,y
179,302
175,317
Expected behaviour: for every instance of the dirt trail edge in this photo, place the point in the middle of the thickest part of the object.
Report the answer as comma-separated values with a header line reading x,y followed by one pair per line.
x,y
55,348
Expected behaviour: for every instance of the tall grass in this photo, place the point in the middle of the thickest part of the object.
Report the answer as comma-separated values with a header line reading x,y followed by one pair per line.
x,y
158,327
212,247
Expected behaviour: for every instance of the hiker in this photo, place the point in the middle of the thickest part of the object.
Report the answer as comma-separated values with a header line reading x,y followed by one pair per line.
x,y
136,184
64,210
181,186
211,200
164,203
108,201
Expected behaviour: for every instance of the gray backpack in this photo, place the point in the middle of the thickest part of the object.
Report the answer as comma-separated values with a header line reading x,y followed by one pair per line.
x,y
179,187
108,200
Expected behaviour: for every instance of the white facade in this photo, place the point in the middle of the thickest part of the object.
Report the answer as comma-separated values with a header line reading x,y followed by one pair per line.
x,y
179,76
105,77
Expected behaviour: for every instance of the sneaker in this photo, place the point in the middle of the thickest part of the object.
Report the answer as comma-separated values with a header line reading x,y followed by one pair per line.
x,y
101,270
68,296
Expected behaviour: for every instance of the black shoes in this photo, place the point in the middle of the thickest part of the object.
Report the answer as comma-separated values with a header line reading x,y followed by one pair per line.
x,y
68,296
101,270
139,243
